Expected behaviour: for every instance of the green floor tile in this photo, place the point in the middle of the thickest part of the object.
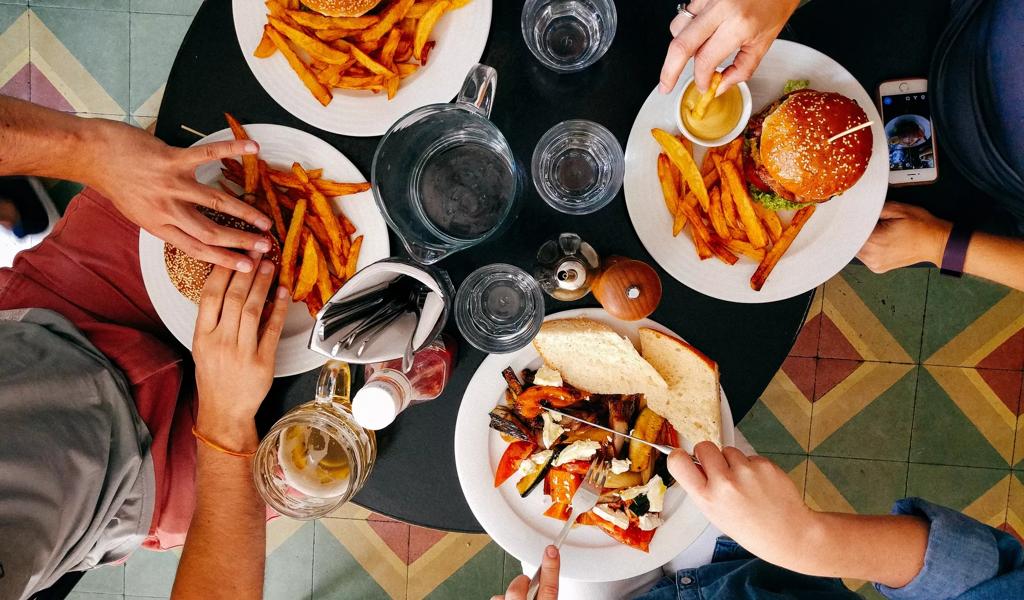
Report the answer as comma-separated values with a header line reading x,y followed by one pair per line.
x,y
792,464
868,592
869,486
155,42
953,305
480,577
880,431
289,569
16,2
150,573
102,580
766,434
75,595
115,5
512,568
336,574
944,435
959,487
896,299
8,15
171,7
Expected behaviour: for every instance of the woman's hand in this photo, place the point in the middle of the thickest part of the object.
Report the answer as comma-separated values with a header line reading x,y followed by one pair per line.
x,y
154,186
548,589
750,499
905,235
720,28
234,355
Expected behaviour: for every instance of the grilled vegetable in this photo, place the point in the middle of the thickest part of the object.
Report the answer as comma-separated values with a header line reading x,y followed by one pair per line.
x,y
516,453
647,427
508,423
621,410
512,380
588,433
528,404
619,481
529,482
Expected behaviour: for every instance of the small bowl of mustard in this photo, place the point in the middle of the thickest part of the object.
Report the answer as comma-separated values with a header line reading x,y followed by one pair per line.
x,y
726,117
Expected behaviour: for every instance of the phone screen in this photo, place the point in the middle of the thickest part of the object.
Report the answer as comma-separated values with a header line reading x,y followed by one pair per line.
x,y
908,128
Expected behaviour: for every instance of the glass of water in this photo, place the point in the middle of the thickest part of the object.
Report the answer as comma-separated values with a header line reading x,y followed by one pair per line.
x,y
578,167
499,308
569,35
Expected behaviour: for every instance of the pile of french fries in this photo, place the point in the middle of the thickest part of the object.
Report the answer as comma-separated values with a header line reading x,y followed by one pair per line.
x,y
373,52
318,254
714,203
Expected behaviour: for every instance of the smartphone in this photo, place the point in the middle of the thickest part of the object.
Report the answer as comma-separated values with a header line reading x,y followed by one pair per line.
x,y
909,131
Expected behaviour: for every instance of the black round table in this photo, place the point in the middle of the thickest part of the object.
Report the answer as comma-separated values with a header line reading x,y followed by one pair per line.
x,y
414,478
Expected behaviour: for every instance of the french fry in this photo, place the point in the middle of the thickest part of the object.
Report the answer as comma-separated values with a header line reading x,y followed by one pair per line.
x,y
371,83
392,13
320,92
715,214
684,162
738,234
249,161
364,59
289,254
772,257
313,305
723,253
426,25
308,271
292,4
353,258
705,99
323,276
667,175
276,9
317,21
346,225
459,3
744,204
326,186
317,48
335,260
387,52
404,52
406,69
426,51
708,165
274,204
746,249
771,221
733,150
728,206
330,35
322,208
416,11
266,47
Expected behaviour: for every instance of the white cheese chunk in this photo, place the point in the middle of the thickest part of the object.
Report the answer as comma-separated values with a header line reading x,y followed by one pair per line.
x,y
552,430
649,522
654,490
615,517
547,376
527,466
578,450
620,466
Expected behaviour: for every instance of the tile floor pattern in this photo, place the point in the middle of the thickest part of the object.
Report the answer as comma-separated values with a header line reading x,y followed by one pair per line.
x,y
902,384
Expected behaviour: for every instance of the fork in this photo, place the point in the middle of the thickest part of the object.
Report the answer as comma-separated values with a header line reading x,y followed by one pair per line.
x,y
584,499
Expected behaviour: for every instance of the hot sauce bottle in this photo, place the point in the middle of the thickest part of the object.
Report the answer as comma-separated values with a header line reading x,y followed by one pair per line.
x,y
388,391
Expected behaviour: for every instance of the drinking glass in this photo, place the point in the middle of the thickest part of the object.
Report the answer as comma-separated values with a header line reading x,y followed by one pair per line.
x,y
499,308
569,35
316,457
578,167
444,176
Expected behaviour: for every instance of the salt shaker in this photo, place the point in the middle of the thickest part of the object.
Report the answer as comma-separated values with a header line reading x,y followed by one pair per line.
x,y
566,267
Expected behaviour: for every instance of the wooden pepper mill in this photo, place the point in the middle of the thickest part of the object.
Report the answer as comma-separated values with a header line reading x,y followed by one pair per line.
x,y
628,289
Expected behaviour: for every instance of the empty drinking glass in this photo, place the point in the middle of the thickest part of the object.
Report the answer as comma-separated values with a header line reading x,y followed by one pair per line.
x,y
499,308
569,35
578,167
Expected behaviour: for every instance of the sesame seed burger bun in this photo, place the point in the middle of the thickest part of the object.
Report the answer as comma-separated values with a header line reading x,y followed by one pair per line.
x,y
796,160
189,274
341,8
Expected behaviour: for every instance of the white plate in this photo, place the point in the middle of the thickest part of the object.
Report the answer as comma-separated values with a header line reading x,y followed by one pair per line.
x,y
280,147
461,36
518,524
829,240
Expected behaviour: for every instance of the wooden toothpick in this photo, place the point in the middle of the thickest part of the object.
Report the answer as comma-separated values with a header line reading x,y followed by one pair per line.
x,y
850,130
193,131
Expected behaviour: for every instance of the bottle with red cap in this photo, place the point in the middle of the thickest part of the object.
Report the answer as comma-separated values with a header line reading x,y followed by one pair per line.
x,y
388,390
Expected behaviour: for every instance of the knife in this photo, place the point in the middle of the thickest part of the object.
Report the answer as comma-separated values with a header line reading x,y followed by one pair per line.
x,y
666,450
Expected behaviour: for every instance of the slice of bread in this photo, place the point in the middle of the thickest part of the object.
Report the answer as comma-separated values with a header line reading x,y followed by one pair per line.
x,y
692,402
593,357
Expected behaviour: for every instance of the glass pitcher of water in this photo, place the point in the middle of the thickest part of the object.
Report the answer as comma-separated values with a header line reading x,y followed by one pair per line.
x,y
444,176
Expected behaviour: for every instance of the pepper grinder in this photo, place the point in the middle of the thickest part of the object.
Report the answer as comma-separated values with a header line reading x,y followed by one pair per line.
x,y
566,267
628,289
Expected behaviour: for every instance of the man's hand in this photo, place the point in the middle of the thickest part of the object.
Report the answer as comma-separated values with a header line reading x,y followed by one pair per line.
x,y
154,186
720,28
234,358
749,498
905,235
548,580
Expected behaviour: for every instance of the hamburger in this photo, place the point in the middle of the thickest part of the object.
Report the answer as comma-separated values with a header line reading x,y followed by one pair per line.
x,y
789,161
189,274
341,8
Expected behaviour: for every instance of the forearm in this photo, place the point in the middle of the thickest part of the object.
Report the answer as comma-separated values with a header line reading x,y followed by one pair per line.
x,y
886,549
47,143
228,530
996,258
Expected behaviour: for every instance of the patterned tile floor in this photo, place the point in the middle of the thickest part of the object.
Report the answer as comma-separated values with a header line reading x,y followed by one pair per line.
x,y
902,384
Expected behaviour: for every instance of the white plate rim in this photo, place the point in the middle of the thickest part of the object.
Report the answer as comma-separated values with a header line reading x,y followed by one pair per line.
x,y
178,313
614,561
461,37
807,265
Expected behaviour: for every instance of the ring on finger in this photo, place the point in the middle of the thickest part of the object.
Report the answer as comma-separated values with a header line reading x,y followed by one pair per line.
x,y
683,9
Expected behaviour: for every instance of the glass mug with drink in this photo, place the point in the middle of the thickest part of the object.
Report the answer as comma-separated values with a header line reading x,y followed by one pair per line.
x,y
444,176
316,457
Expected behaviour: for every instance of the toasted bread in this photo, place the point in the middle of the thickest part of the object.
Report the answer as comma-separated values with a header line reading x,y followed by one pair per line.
x,y
692,402
591,356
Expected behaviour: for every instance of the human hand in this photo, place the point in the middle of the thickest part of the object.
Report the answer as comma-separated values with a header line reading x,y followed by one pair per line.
x,y
154,186
720,28
905,235
750,499
548,580
234,357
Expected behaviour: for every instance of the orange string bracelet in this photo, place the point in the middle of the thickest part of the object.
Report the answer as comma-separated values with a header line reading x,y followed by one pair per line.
x,y
215,446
